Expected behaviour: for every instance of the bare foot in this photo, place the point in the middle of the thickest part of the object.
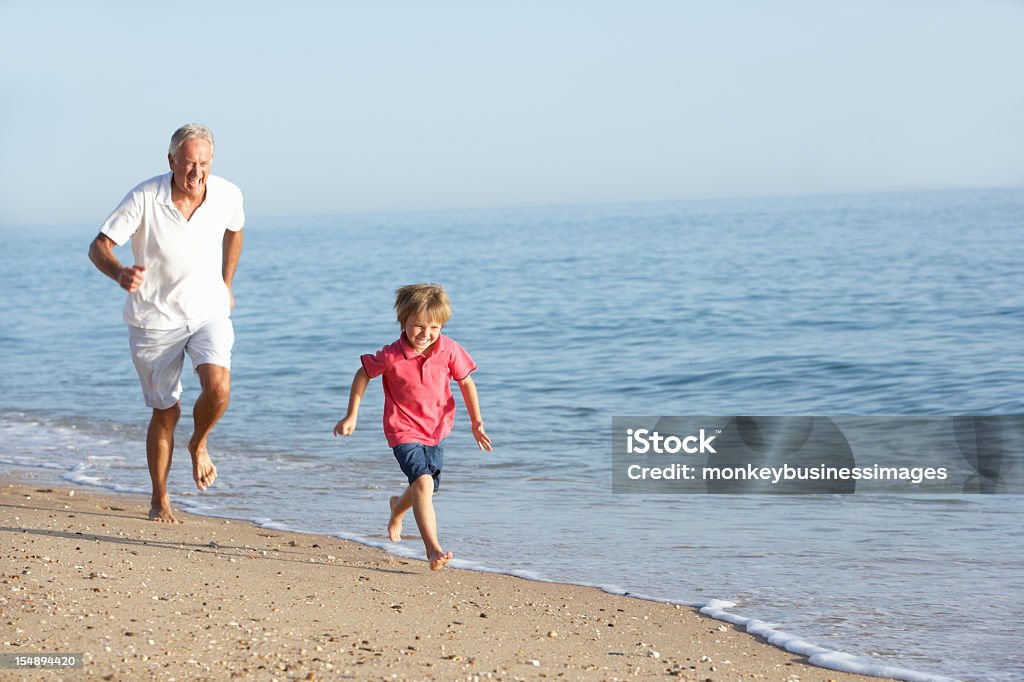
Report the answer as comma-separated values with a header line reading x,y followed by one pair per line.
x,y
438,560
162,514
203,471
394,523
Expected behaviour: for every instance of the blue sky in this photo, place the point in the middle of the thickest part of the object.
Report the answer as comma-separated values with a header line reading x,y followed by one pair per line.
x,y
338,107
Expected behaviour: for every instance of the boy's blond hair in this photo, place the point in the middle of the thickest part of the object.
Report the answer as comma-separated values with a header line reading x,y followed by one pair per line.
x,y
430,299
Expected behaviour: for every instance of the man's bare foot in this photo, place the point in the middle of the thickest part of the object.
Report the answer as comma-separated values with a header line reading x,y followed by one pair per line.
x,y
438,560
162,514
395,522
203,471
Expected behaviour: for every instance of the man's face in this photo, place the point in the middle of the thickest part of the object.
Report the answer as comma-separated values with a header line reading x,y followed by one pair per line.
x,y
191,167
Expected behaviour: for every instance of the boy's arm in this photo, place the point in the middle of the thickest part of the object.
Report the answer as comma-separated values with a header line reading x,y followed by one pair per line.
x,y
469,396
355,396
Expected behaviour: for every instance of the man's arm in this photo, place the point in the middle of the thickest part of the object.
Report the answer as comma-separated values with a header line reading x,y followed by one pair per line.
x,y
101,253
232,251
469,396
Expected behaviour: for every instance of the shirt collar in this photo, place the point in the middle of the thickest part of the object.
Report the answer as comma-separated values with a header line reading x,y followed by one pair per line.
x,y
409,352
163,193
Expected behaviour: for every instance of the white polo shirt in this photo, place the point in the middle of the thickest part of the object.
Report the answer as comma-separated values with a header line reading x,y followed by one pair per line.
x,y
184,282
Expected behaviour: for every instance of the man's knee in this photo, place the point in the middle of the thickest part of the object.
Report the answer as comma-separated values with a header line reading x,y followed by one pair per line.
x,y
216,382
169,416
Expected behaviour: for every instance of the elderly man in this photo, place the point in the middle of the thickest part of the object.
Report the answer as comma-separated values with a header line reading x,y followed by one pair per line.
x,y
186,233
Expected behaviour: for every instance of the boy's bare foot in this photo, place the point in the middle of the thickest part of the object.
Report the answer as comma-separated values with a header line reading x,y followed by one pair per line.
x,y
162,514
203,471
394,523
438,560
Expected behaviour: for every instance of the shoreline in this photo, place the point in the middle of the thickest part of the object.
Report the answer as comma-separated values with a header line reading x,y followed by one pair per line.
x,y
88,573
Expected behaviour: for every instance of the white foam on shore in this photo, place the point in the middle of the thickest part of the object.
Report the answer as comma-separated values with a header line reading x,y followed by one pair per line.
x,y
87,472
816,655
27,463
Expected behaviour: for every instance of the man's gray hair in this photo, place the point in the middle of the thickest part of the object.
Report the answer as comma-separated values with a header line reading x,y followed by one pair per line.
x,y
189,131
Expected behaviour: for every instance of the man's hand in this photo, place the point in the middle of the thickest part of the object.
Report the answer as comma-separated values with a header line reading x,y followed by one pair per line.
x,y
131,277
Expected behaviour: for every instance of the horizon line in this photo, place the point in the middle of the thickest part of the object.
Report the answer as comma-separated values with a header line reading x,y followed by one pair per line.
x,y
584,204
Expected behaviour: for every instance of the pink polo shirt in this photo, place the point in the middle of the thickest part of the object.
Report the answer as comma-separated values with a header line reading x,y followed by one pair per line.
x,y
418,402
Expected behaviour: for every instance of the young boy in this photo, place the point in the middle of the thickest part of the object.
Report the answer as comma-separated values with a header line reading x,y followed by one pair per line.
x,y
418,405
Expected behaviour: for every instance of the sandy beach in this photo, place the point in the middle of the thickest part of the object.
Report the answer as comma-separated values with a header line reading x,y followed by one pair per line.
x,y
88,574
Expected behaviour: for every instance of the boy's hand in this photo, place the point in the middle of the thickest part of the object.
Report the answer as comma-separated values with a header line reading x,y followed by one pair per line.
x,y
483,441
345,427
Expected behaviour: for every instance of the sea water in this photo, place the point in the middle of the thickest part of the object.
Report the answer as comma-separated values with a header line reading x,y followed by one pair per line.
x,y
897,304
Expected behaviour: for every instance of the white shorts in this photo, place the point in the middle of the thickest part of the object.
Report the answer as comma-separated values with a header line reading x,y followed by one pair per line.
x,y
159,356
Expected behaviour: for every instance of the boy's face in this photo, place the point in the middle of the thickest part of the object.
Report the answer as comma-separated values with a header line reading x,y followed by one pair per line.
x,y
421,331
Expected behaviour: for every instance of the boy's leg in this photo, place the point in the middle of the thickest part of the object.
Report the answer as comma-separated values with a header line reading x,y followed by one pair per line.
x,y
399,505
422,493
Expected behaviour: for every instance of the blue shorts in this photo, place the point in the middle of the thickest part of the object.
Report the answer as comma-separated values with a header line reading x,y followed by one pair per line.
x,y
417,459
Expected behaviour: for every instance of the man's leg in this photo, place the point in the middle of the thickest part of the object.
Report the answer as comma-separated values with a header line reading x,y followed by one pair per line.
x,y
209,408
422,492
159,450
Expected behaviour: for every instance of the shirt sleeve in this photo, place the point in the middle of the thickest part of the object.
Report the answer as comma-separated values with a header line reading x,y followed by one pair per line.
x,y
376,364
460,364
125,219
238,219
